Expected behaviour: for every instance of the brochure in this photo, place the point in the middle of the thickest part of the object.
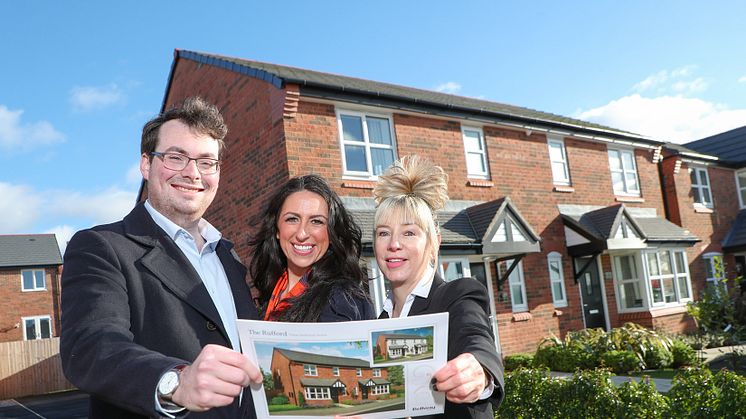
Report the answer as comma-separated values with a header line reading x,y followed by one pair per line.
x,y
372,368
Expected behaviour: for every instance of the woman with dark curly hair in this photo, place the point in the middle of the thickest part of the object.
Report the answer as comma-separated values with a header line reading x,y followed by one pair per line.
x,y
305,257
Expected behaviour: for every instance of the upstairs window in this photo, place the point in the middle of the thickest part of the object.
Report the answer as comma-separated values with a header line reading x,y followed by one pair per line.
x,y
376,372
700,186
335,371
310,369
33,280
359,372
741,184
623,172
367,140
476,155
557,279
558,160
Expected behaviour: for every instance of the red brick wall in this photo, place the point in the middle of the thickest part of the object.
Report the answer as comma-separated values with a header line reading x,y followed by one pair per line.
x,y
17,304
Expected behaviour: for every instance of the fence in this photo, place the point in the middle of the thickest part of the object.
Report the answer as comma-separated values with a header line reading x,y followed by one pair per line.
x,y
31,367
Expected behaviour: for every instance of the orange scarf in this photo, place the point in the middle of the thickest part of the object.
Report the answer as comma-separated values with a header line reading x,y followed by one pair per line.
x,y
278,304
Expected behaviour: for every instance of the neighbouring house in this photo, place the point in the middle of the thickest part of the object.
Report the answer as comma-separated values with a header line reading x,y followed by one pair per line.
x,y
394,345
563,221
706,191
324,380
30,268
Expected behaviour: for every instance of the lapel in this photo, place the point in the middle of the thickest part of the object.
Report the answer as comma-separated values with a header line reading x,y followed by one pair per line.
x,y
235,271
420,305
167,263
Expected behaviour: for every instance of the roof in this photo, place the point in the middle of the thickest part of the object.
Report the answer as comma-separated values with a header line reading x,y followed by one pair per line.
x,y
373,381
29,250
735,240
333,86
463,224
310,358
400,336
321,382
729,146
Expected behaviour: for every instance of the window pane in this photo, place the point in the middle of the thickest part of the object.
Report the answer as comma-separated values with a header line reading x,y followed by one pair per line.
x,y
40,283
627,160
668,290
516,295
45,328
631,295
28,280
656,286
683,287
472,140
627,267
352,127
653,264
618,181
665,266
452,270
696,195
614,161
742,180
378,130
355,158
557,291
680,265
693,177
382,158
707,198
30,329
555,152
743,196
703,178
475,163
554,270
631,181
709,273
558,171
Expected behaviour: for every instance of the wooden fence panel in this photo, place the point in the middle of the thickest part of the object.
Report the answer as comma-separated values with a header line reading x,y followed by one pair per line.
x,y
31,367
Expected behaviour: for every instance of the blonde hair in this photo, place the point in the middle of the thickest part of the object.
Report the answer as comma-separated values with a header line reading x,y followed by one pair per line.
x,y
412,190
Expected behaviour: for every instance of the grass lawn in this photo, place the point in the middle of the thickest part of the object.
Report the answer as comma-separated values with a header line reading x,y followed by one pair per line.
x,y
668,373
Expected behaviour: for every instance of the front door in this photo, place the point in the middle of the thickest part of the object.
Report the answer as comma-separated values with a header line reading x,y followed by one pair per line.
x,y
740,265
590,287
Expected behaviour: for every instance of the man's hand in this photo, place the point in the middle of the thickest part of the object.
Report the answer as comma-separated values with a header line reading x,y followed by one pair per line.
x,y
462,379
215,378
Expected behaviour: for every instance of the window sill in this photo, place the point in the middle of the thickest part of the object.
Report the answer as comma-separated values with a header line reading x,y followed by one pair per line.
x,y
522,317
667,311
563,189
631,199
703,210
480,183
358,184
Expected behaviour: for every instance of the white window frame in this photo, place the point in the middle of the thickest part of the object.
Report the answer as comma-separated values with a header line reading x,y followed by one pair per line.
x,y
556,257
639,280
366,144
516,278
649,278
376,372
335,371
317,393
379,389
35,286
473,172
710,262
464,267
358,372
741,188
559,141
701,189
627,191
37,326
310,370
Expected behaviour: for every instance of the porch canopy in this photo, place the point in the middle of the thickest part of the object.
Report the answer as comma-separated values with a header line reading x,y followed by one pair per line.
x,y
321,382
735,240
592,230
372,382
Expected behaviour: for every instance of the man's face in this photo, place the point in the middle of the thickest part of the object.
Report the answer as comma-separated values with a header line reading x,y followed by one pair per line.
x,y
182,196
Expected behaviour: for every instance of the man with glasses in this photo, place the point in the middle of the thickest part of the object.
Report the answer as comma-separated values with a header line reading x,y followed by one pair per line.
x,y
149,303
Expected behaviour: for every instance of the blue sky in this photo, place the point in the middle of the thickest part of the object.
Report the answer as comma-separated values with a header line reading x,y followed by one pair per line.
x,y
80,78
342,349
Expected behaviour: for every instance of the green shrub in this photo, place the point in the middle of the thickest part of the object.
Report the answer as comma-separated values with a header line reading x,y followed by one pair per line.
x,y
732,394
529,394
558,358
513,362
657,357
589,394
683,354
620,362
279,400
693,394
641,400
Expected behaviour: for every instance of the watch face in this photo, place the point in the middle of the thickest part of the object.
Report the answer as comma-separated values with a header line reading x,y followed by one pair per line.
x,y
168,383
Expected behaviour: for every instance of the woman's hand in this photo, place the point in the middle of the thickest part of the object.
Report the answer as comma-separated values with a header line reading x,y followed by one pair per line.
x,y
462,379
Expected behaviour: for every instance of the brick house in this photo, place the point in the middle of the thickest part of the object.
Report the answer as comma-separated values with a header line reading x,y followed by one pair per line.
x,y
706,191
30,268
395,345
324,380
562,220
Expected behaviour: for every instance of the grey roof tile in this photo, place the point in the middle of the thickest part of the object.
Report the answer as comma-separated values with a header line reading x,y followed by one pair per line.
x,y
736,236
29,250
317,359
729,146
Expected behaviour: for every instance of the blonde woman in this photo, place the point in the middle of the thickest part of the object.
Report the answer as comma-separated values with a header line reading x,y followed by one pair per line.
x,y
406,242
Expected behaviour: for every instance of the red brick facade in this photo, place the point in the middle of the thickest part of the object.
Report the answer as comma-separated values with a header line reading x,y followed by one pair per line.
x,y
19,305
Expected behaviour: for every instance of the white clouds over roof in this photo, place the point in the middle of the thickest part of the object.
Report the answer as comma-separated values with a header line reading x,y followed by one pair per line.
x,y
450,87
15,135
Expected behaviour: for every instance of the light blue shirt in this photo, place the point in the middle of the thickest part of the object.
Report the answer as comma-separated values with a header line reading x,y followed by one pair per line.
x,y
207,264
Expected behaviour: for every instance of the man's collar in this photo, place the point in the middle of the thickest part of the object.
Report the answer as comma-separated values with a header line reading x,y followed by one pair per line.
x,y
211,235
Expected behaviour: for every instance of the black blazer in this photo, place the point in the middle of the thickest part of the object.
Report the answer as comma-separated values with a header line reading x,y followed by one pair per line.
x,y
467,302
132,308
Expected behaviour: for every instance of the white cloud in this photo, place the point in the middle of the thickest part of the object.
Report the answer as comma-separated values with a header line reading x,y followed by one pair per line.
x,y
677,81
677,118
105,207
89,98
20,208
688,87
651,81
16,135
134,176
63,234
450,87
742,79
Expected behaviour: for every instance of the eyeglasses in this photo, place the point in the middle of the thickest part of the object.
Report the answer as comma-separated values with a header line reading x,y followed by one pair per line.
x,y
178,162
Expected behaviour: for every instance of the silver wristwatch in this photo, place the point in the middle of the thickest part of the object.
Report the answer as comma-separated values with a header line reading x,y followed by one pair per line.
x,y
167,386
